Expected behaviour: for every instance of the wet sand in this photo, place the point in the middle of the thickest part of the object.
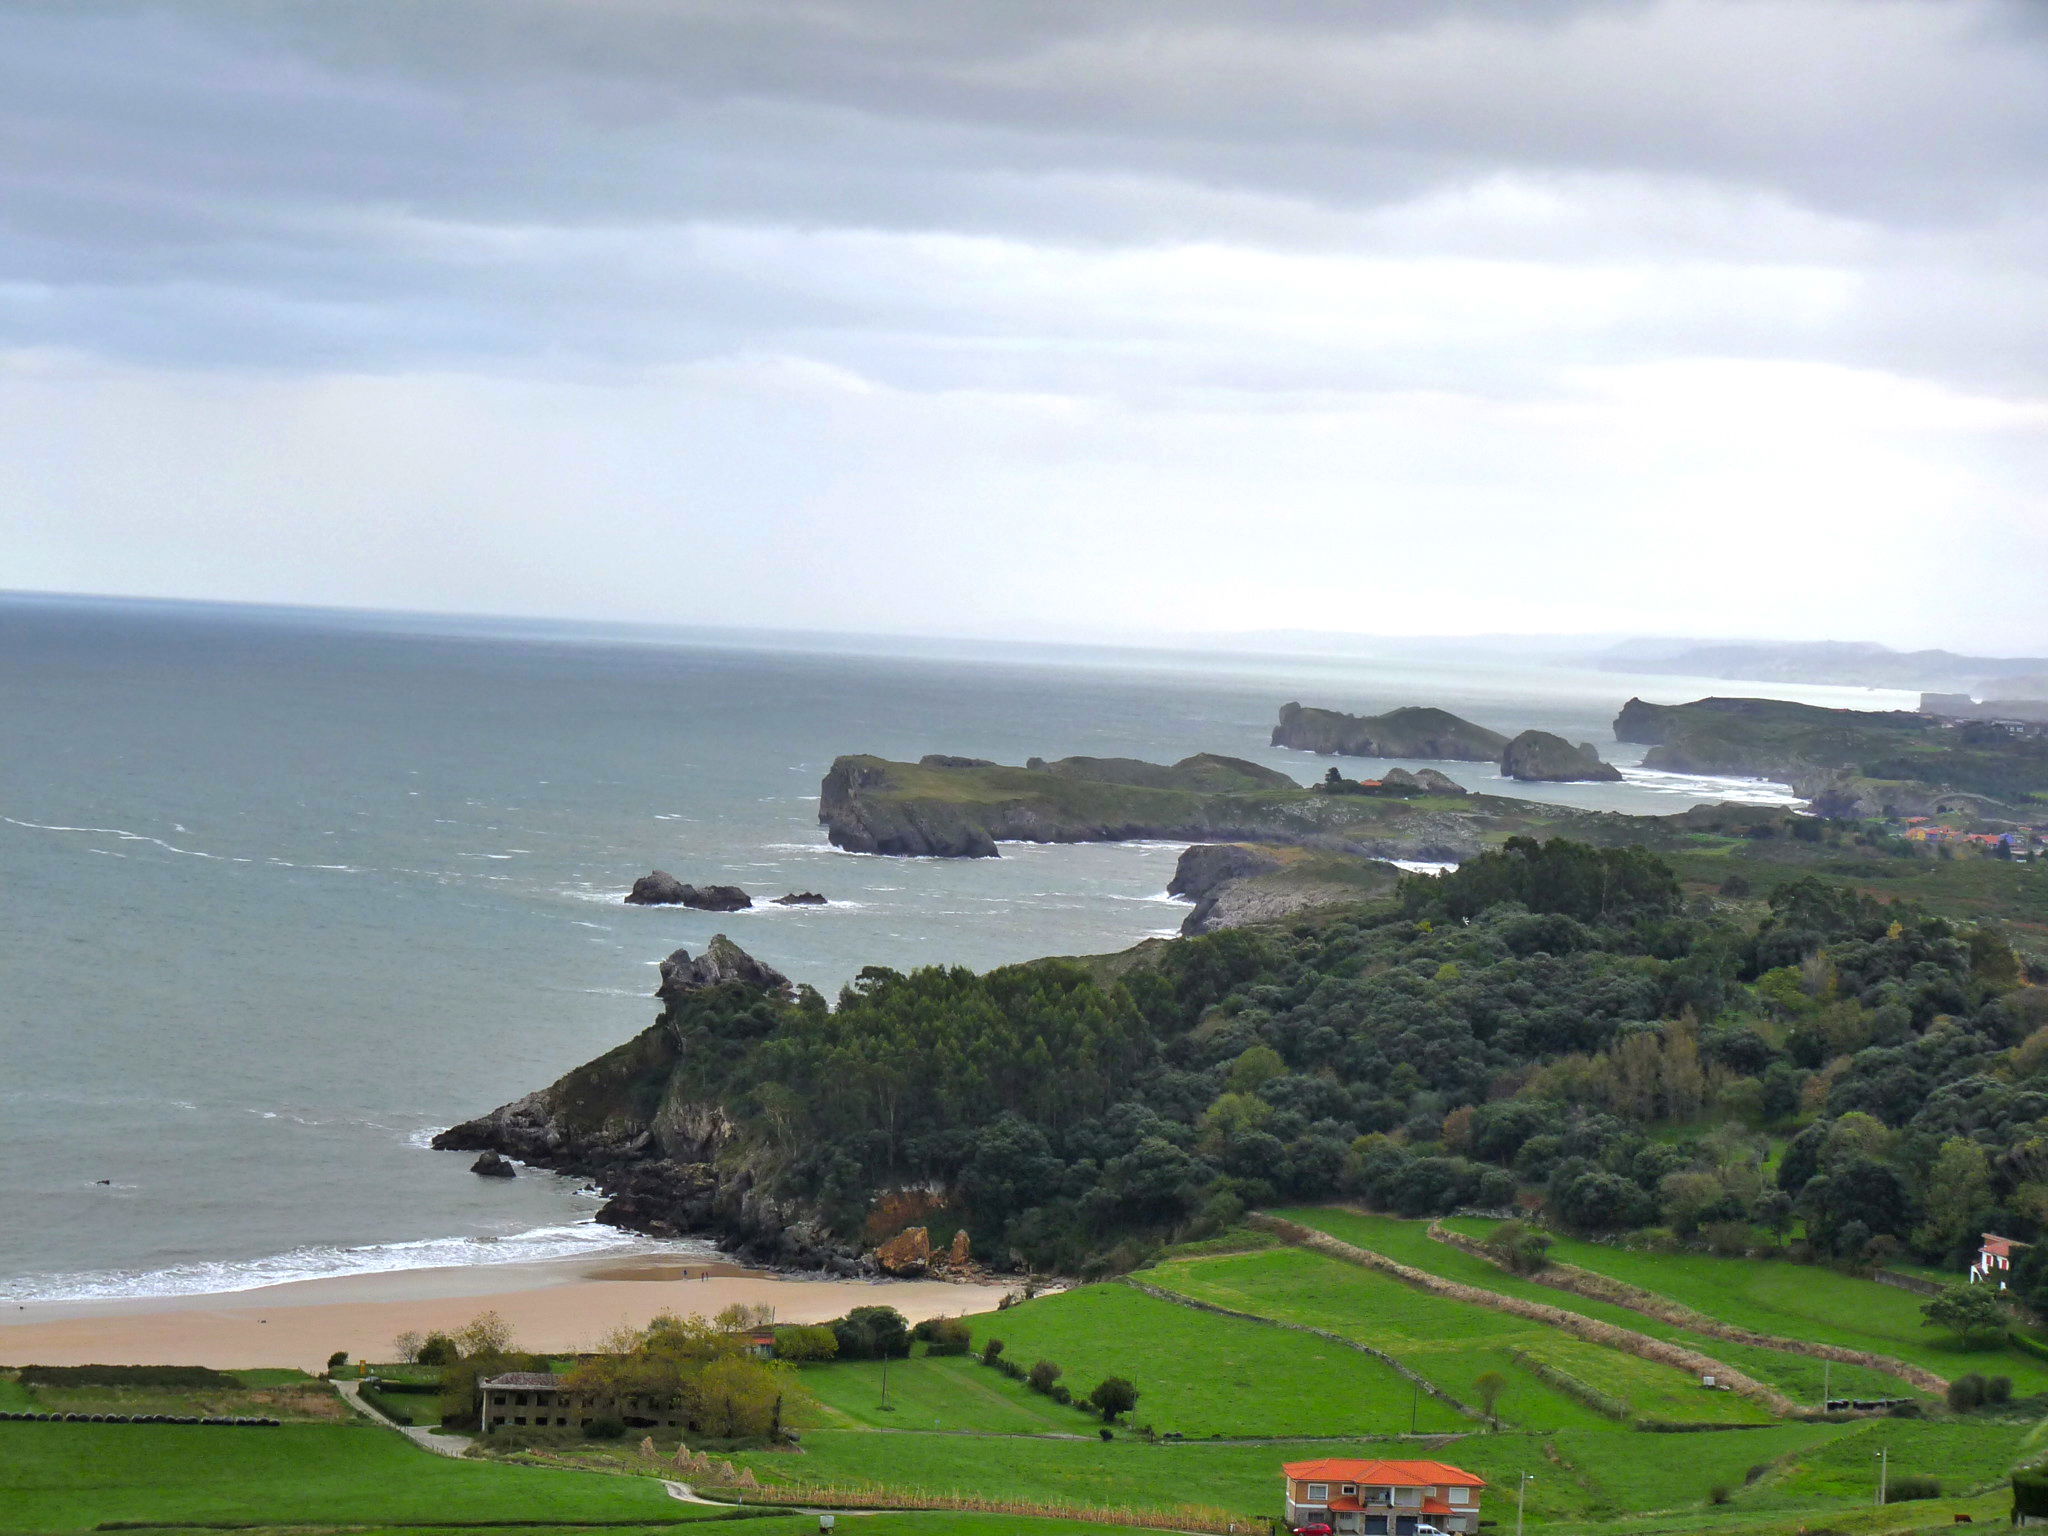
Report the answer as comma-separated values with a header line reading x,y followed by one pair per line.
x,y
552,1305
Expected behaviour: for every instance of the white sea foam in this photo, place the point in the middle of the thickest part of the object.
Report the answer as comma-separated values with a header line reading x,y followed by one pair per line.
x,y
1712,787
1165,896
217,1277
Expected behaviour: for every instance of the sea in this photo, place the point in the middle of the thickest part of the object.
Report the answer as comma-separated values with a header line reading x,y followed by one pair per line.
x,y
283,892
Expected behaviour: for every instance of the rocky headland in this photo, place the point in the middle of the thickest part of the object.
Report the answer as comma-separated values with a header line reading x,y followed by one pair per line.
x,y
1538,757
1849,762
642,1123
1412,732
872,805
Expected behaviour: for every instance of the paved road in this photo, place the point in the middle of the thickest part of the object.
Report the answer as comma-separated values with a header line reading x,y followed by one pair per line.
x,y
440,1442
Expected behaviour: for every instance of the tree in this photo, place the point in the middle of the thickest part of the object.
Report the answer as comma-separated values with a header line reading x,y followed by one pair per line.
x,y
1257,1067
1042,1375
438,1349
991,1351
805,1343
485,1334
1958,1195
1517,1247
1488,1387
336,1361
407,1345
1113,1397
872,1333
1970,1312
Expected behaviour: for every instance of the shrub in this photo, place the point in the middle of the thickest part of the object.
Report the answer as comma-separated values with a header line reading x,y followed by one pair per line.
x,y
1901,1490
1966,1392
1517,1247
799,1342
1042,1376
175,1378
604,1429
1719,1494
337,1361
1060,1395
1011,1369
946,1336
991,1352
1998,1389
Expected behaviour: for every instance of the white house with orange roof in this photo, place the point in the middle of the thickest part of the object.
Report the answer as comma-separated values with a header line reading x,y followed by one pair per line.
x,y
1381,1498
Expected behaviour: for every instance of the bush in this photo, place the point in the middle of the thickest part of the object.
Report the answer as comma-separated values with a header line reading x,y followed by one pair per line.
x,y
1060,1395
1998,1389
991,1352
1966,1393
1042,1376
604,1429
1901,1490
175,1378
944,1336
1719,1494
336,1361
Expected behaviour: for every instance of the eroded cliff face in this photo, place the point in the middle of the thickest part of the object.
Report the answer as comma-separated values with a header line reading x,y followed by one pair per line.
x,y
642,1124
1541,758
1234,885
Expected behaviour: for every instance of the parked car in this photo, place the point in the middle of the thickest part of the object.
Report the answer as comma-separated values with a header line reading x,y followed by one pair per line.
x,y
1320,1528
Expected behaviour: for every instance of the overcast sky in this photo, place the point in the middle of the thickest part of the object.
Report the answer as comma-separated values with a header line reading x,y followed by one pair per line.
x,y
1037,317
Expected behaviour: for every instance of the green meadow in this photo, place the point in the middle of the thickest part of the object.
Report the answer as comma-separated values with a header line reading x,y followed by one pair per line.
x,y
1200,1375
1800,1377
1453,1342
1804,1301
73,1477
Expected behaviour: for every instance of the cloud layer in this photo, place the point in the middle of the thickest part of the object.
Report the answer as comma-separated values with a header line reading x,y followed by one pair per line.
x,y
1719,316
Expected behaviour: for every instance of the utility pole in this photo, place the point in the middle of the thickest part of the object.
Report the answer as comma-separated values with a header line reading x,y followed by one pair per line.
x,y
1521,1497
885,1379
1883,1467
1414,1404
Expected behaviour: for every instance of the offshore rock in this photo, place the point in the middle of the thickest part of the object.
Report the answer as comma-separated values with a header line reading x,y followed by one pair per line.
x,y
1541,758
493,1166
716,898
722,961
801,899
1412,732
658,889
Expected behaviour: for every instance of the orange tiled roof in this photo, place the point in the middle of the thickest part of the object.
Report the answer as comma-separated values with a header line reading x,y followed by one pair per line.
x,y
1403,1474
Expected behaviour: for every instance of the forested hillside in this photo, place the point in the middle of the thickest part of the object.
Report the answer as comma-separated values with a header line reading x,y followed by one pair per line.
x,y
1551,1020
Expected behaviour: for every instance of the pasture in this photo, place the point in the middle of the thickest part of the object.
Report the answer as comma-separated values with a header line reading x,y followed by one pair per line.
x,y
1800,1377
1450,1342
1202,1375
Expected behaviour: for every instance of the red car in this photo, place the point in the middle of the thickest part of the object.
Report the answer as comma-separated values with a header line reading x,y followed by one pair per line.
x,y
1318,1529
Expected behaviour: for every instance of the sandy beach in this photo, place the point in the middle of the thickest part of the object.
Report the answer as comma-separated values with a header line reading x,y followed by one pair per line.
x,y
552,1305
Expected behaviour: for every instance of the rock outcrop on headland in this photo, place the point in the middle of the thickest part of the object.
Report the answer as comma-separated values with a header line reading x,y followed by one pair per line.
x,y
639,1123
1412,732
1424,781
1538,757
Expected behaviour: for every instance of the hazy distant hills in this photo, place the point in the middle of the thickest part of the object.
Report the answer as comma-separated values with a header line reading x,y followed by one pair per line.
x,y
1857,663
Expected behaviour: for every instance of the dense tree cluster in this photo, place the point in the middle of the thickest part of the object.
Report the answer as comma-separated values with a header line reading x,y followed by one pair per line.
x,y
1550,1018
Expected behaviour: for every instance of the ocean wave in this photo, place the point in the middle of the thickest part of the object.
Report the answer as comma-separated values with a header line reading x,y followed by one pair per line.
x,y
1165,896
1713,786
224,1276
1424,866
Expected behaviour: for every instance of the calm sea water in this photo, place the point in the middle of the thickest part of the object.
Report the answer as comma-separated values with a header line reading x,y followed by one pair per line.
x,y
283,893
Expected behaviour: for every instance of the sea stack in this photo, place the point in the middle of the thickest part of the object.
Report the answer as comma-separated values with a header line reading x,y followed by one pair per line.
x,y
1538,757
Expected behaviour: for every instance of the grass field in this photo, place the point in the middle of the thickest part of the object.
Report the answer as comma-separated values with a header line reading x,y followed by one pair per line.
x,y
69,1477
1597,1473
1800,1377
772,1525
1450,1342
1803,1301
938,1392
1202,1375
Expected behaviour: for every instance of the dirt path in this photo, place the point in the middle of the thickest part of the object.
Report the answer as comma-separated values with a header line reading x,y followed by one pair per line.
x,y
438,1441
